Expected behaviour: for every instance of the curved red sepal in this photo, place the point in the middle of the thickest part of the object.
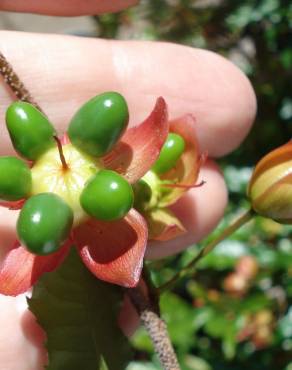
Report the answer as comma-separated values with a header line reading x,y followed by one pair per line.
x,y
113,251
16,205
139,148
163,225
20,269
169,232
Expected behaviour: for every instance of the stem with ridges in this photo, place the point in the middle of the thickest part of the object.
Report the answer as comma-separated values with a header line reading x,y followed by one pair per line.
x,y
189,268
155,327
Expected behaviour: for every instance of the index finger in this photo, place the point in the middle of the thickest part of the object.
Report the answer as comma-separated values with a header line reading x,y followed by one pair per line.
x,y
66,7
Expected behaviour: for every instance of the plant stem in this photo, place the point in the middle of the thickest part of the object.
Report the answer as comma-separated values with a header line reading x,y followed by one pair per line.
x,y
188,269
14,82
61,153
155,326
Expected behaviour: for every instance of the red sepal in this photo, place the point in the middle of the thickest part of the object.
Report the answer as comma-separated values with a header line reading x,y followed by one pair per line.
x,y
163,225
113,251
20,269
139,148
170,232
16,205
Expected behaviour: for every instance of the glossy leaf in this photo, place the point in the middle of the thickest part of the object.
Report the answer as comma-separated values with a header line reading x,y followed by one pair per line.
x,y
79,316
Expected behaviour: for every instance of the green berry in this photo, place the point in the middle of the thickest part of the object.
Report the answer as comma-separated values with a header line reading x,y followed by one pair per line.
x,y
15,179
99,124
44,223
107,196
30,131
170,153
142,195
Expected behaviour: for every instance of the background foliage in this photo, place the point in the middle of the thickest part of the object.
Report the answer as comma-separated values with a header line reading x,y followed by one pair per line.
x,y
218,319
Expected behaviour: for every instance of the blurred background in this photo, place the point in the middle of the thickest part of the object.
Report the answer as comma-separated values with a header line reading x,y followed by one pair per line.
x,y
236,313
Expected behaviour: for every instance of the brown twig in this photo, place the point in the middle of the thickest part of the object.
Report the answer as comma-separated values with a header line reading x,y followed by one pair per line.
x,y
147,308
14,82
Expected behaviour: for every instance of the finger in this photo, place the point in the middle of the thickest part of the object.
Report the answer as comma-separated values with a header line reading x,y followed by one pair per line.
x,y
62,72
199,210
8,220
66,7
21,339
128,319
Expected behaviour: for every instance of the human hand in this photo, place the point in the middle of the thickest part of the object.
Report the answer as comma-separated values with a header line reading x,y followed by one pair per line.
x,y
62,72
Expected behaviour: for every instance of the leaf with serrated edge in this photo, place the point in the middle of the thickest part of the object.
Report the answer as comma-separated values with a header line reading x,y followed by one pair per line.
x,y
79,315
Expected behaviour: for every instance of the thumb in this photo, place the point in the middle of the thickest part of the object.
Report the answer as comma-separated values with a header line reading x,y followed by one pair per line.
x,y
21,339
66,7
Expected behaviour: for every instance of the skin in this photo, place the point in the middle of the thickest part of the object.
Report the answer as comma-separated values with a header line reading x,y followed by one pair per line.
x,y
206,85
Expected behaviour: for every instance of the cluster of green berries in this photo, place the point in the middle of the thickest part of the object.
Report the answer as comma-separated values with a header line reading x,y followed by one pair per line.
x,y
148,189
47,217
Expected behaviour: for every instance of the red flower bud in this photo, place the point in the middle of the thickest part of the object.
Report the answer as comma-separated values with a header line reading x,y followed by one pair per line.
x,y
270,188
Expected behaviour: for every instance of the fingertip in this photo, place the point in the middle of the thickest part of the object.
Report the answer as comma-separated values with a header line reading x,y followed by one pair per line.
x,y
200,210
128,319
17,351
226,119
196,81
66,7
35,335
7,230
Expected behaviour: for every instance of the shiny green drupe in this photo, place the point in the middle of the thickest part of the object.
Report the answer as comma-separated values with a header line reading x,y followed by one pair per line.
x,y
44,223
99,124
15,179
170,153
30,131
107,196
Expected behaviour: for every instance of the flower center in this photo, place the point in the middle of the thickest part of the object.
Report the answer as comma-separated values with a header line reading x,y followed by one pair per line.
x,y
49,175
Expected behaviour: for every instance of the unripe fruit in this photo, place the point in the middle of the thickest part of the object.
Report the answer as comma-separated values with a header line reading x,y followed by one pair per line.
x,y
107,196
171,151
15,179
99,124
44,223
270,188
30,131
142,195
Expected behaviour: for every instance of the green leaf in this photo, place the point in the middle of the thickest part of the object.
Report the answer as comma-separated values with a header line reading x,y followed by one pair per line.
x,y
142,366
79,315
180,319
